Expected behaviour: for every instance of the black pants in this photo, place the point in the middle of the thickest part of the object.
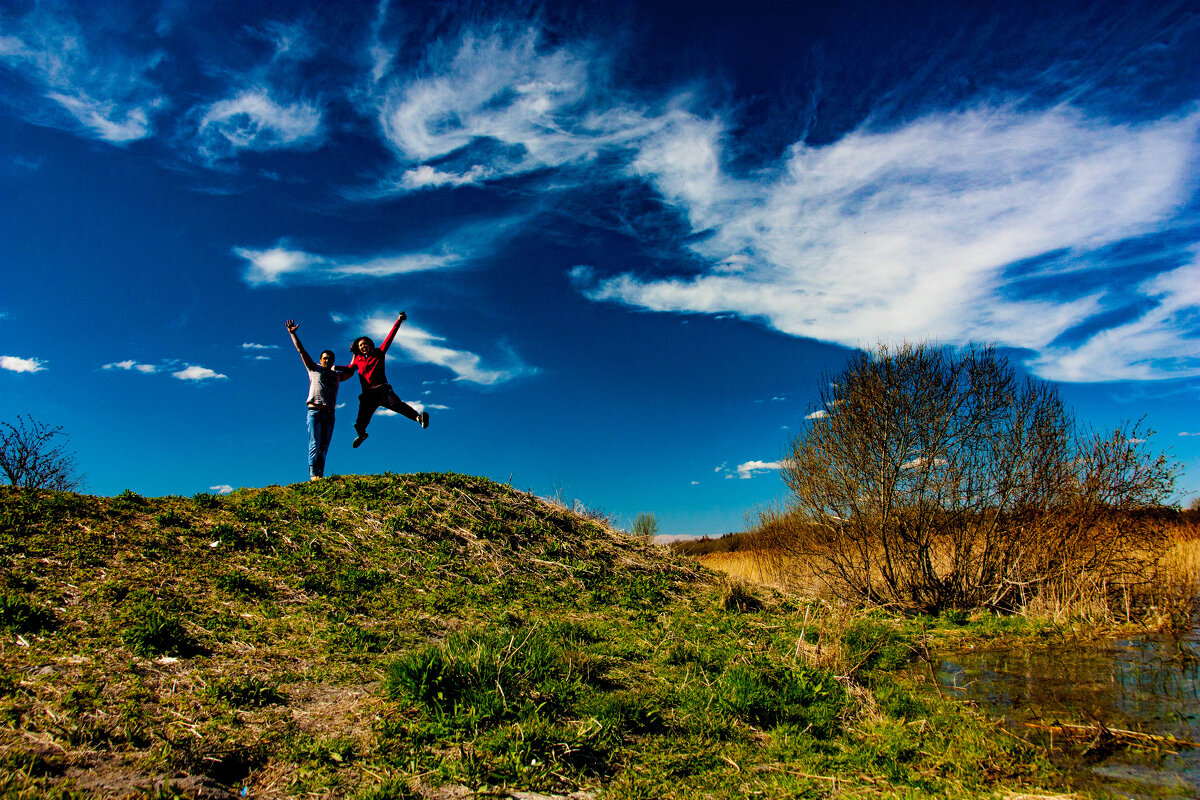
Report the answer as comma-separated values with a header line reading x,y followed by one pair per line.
x,y
375,397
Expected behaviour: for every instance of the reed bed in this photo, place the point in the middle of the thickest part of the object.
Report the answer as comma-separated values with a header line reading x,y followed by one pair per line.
x,y
1168,596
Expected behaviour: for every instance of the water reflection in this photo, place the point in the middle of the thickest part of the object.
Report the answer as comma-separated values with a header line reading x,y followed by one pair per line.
x,y
1150,684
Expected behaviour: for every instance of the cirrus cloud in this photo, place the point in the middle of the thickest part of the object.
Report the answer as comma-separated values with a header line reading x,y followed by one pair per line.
x,y
961,226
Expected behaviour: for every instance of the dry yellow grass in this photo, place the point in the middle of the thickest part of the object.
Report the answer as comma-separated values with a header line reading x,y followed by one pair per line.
x,y
741,565
1175,588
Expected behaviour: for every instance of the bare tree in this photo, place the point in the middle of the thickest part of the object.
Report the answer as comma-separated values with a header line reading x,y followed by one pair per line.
x,y
33,457
931,479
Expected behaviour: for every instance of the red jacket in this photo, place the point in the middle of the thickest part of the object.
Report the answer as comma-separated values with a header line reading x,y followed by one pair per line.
x,y
370,367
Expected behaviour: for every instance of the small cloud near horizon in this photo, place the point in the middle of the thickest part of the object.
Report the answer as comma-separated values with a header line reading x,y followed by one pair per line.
x,y
221,488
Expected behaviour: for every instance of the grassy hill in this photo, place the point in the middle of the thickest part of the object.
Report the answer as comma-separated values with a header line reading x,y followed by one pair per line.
x,y
405,636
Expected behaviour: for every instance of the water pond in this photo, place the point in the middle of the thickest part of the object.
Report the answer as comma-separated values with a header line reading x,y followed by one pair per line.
x,y
1146,684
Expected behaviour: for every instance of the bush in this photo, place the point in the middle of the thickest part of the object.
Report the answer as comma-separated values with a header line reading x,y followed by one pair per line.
x,y
645,526
936,479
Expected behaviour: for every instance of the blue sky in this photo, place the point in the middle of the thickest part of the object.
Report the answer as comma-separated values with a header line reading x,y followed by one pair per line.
x,y
632,238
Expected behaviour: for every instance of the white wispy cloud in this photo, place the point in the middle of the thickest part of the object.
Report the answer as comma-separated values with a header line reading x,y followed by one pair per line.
x,y
466,244
495,103
499,87
221,488
131,365
256,346
749,469
16,364
910,233
254,120
197,373
93,85
281,263
424,347
820,413
1160,342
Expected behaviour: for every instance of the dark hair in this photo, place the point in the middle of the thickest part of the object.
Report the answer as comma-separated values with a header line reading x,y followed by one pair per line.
x,y
354,344
331,354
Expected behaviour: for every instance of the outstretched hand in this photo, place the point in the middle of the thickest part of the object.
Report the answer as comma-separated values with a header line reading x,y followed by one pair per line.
x,y
402,317
291,325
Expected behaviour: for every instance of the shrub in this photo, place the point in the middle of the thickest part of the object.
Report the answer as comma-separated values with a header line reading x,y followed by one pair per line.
x,y
31,456
934,479
645,526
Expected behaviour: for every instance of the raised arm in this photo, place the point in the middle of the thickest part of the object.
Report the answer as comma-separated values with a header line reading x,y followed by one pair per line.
x,y
392,333
291,329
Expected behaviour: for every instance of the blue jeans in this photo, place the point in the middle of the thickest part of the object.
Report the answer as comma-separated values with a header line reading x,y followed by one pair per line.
x,y
320,432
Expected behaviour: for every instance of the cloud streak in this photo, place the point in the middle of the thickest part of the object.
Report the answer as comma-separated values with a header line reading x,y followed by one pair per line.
x,y
132,366
424,347
92,87
913,233
254,120
284,264
970,224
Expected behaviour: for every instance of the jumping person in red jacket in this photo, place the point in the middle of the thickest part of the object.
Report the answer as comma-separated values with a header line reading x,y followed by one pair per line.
x,y
376,391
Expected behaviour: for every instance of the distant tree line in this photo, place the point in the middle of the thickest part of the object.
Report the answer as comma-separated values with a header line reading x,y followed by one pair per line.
x,y
729,543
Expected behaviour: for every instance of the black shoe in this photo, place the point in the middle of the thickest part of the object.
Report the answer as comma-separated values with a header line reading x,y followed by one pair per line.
x,y
362,437
424,419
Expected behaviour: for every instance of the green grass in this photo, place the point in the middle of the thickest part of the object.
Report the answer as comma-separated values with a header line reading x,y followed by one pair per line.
x,y
382,636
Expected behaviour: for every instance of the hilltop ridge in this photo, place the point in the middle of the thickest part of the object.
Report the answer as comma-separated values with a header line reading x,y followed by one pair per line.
x,y
417,636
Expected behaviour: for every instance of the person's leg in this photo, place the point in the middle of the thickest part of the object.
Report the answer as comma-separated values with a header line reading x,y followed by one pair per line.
x,y
324,426
390,401
368,401
316,458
